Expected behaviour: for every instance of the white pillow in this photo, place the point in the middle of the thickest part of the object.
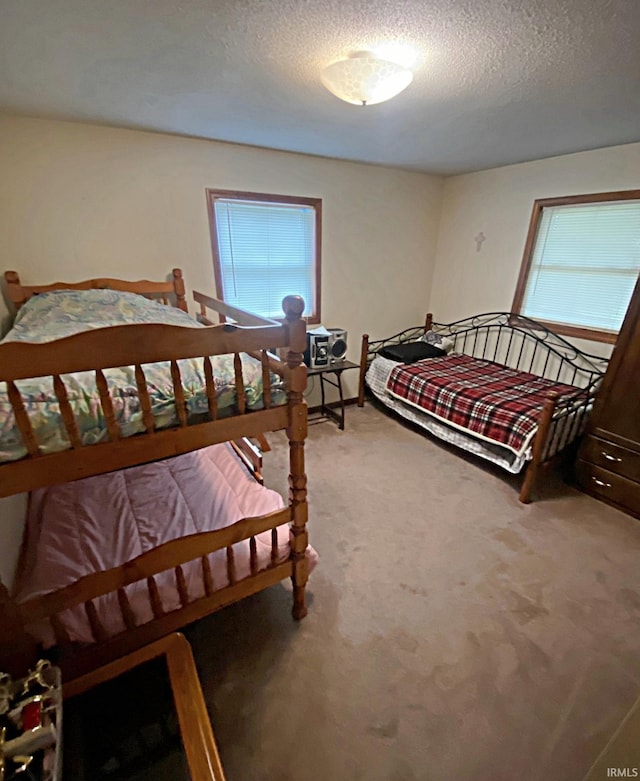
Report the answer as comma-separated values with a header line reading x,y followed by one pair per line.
x,y
445,343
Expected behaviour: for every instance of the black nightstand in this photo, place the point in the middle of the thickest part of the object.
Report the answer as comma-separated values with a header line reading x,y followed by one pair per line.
x,y
336,369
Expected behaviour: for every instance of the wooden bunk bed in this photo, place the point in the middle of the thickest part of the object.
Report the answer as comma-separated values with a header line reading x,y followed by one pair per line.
x,y
556,381
138,345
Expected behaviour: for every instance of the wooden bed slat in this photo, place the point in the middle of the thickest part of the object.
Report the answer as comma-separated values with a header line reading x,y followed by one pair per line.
x,y
262,441
68,418
211,388
22,419
207,576
145,401
89,658
59,630
164,557
253,555
26,474
97,630
126,345
240,392
226,310
125,609
266,379
181,583
231,566
107,406
250,455
20,293
178,392
154,597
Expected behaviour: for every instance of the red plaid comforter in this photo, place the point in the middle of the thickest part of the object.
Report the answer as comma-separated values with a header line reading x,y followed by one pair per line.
x,y
483,397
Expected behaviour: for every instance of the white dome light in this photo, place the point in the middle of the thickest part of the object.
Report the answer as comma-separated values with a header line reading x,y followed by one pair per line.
x,y
364,79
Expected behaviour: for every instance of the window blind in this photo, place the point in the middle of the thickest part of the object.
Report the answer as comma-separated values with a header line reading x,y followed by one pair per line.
x,y
584,265
267,251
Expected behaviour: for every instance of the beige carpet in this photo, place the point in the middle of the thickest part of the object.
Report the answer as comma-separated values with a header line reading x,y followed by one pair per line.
x,y
453,633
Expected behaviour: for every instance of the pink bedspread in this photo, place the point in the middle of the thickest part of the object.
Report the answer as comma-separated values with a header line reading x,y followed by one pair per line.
x,y
101,522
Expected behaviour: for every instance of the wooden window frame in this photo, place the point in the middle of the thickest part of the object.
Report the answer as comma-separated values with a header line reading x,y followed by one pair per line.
x,y
238,195
580,332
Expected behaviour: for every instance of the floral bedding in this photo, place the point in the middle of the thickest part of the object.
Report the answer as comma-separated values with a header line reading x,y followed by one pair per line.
x,y
55,315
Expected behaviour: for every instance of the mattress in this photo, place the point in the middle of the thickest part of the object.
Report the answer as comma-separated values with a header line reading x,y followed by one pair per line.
x,y
62,313
97,523
493,402
377,378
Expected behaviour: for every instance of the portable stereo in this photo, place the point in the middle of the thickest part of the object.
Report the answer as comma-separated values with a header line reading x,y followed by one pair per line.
x,y
337,344
325,346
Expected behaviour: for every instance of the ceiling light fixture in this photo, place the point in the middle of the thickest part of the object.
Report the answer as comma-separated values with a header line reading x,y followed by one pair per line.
x,y
364,79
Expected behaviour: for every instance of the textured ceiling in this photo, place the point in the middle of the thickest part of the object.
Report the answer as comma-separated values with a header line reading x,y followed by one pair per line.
x,y
496,81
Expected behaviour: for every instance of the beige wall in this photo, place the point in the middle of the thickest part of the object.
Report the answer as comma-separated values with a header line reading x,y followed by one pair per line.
x,y
498,203
79,200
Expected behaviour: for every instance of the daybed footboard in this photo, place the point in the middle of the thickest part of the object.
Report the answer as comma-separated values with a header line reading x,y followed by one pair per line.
x,y
562,421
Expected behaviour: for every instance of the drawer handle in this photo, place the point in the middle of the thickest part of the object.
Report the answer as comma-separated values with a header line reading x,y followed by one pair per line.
x,y
600,483
609,457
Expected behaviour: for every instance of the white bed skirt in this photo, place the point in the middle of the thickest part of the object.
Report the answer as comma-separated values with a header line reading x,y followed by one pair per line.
x,y
377,378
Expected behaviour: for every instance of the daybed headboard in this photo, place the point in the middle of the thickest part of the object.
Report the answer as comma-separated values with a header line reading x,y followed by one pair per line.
x,y
517,342
20,294
522,344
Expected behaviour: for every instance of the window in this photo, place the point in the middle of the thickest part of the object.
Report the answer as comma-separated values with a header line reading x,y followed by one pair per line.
x,y
266,247
581,262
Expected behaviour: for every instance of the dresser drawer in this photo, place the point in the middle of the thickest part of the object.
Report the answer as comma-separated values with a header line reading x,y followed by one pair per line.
x,y
611,457
609,486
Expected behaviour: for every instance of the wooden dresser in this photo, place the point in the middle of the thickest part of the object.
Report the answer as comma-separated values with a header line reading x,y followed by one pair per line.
x,y
609,459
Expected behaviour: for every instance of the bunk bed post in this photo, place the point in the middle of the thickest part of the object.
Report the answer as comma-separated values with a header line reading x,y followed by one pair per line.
x,y
178,286
539,443
428,322
17,649
15,290
364,353
293,307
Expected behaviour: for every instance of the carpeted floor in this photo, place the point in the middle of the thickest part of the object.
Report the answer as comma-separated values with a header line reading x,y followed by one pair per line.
x,y
453,633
